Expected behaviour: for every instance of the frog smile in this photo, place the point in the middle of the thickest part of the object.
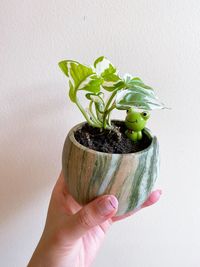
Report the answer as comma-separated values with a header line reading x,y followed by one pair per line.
x,y
132,121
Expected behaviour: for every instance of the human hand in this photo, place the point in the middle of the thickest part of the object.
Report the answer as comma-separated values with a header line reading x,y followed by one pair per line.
x,y
72,233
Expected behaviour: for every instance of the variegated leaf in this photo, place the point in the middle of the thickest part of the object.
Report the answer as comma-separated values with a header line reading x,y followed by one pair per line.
x,y
81,77
108,72
137,97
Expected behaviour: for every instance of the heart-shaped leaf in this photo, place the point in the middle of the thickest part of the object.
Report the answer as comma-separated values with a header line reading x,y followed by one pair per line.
x,y
81,77
131,82
108,72
137,97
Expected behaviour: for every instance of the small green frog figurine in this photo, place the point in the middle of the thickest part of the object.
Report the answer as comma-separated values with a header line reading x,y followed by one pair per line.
x,y
135,122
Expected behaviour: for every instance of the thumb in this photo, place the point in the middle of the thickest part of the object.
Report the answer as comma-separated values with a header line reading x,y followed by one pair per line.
x,y
93,214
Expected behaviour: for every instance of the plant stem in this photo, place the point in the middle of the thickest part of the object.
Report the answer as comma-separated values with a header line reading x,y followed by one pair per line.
x,y
107,110
95,119
90,122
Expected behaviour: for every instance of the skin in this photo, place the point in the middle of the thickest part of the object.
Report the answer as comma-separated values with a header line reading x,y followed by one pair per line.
x,y
72,233
135,122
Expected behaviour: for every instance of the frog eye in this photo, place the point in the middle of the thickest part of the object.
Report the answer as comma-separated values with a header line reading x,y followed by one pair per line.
x,y
145,114
129,110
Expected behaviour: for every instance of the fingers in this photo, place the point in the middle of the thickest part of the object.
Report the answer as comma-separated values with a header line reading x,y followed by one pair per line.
x,y
152,199
60,184
63,198
121,217
95,213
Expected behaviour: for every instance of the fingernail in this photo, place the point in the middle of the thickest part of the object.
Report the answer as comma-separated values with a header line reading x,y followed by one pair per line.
x,y
107,205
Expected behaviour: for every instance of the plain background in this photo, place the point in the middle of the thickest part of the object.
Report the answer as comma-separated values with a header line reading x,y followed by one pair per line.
x,y
158,41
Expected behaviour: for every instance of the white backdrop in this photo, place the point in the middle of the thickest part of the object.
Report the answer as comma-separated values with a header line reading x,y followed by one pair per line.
x,y
158,41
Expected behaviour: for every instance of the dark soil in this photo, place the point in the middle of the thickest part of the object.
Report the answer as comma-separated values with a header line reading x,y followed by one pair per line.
x,y
110,141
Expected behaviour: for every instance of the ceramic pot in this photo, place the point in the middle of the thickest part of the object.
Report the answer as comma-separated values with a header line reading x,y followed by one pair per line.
x,y
89,173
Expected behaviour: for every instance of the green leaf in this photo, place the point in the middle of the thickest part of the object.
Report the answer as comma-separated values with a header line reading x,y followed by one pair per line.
x,y
98,100
132,82
72,94
119,85
81,77
92,84
89,95
99,60
137,97
64,66
98,103
108,72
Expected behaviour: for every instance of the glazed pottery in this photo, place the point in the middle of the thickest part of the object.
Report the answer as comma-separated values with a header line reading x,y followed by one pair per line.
x,y
89,173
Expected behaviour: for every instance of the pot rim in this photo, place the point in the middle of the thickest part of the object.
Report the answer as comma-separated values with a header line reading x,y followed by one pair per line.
x,y
89,150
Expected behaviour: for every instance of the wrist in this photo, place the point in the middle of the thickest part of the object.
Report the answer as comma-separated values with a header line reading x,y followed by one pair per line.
x,y
49,253
39,257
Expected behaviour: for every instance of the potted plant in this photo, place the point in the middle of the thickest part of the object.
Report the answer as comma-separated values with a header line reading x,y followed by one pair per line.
x,y
104,156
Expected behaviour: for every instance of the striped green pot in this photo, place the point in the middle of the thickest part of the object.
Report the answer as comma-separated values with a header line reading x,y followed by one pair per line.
x,y
89,173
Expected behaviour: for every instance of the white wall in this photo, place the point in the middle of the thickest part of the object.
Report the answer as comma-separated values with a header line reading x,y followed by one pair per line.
x,y
156,40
